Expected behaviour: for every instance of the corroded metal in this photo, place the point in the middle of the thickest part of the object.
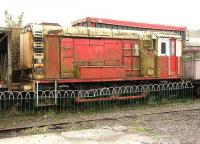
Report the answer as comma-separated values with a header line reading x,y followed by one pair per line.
x,y
100,32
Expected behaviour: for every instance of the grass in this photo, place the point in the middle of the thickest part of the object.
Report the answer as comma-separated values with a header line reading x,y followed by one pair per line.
x,y
15,118
35,130
142,130
12,120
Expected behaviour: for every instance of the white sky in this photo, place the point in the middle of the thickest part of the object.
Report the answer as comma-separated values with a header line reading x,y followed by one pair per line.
x,y
175,12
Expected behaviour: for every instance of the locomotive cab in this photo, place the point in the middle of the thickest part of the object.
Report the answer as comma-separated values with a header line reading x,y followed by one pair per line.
x,y
169,56
161,55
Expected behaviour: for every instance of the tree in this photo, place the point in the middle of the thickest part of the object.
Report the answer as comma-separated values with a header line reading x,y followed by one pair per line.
x,y
16,26
10,22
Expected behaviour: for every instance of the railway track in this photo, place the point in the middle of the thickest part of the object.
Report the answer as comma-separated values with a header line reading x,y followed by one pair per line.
x,y
59,125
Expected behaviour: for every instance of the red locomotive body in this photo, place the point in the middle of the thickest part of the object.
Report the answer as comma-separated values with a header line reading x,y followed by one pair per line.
x,y
90,58
88,55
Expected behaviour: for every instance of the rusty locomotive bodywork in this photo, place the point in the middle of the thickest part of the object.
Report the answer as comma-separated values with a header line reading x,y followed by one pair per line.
x,y
93,55
88,56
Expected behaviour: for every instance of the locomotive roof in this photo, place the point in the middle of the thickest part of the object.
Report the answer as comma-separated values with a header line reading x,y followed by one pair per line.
x,y
100,32
97,32
130,24
112,33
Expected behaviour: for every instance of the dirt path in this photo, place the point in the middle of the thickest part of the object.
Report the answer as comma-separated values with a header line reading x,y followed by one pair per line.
x,y
89,136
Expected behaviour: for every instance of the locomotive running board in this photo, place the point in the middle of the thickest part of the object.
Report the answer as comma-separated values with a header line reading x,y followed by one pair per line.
x,y
82,100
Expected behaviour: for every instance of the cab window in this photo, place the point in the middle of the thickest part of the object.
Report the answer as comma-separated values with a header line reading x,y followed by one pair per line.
x,y
163,48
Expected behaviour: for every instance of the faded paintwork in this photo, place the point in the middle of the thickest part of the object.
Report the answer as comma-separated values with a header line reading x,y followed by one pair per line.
x,y
26,54
99,54
103,56
101,72
154,62
100,32
148,57
67,57
52,57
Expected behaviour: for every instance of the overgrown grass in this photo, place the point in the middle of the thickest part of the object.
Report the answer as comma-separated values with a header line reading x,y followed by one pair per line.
x,y
35,130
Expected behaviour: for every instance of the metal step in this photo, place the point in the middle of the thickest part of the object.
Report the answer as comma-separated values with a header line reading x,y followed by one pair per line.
x,y
45,105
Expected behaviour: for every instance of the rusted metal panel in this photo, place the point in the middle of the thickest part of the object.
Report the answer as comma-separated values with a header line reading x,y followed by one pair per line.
x,y
67,64
26,53
97,42
81,50
81,42
100,33
112,98
136,63
127,52
163,66
96,63
148,58
66,40
81,53
128,62
112,62
101,72
67,52
179,65
131,59
113,50
52,57
67,57
133,73
96,53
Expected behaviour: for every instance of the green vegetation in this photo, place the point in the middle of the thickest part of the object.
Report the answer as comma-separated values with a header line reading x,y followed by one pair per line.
x,y
35,130
141,129
12,23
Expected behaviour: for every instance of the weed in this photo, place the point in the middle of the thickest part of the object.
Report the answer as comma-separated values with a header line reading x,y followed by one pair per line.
x,y
35,130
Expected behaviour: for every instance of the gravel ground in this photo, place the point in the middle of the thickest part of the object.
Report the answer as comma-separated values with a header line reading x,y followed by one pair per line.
x,y
173,127
50,118
182,127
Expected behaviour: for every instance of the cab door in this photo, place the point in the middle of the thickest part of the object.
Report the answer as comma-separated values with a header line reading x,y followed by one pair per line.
x,y
172,57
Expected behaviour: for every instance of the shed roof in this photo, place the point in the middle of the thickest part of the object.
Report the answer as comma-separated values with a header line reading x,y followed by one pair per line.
x,y
131,24
4,30
194,33
194,38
